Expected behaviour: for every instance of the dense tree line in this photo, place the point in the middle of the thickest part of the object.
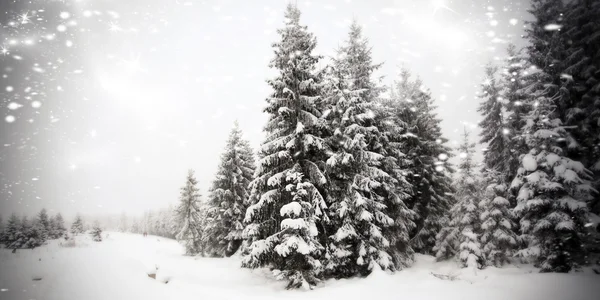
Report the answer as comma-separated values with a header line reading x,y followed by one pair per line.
x,y
23,233
348,180
540,125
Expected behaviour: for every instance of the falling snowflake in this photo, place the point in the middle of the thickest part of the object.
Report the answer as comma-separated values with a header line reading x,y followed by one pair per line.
x,y
552,27
14,106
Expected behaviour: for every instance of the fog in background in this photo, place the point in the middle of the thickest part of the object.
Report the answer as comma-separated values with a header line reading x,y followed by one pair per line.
x,y
106,103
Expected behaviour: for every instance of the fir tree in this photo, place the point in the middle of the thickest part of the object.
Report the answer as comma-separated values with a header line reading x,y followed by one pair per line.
x,y
498,240
462,235
14,236
96,232
287,195
77,226
422,156
552,191
33,233
189,216
358,243
229,195
58,227
581,78
515,77
494,132
359,188
44,222
552,188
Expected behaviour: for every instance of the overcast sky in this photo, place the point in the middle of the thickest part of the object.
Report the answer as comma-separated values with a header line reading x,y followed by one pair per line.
x,y
106,103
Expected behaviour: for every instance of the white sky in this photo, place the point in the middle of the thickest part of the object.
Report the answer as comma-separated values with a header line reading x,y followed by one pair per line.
x,y
162,82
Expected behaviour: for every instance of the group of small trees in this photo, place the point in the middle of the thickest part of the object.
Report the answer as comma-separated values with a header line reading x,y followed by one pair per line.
x,y
540,167
21,233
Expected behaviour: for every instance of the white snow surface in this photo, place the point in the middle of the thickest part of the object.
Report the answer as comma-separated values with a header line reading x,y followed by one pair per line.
x,y
117,269
529,162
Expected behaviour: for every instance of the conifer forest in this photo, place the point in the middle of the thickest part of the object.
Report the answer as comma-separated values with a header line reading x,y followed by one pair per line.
x,y
442,149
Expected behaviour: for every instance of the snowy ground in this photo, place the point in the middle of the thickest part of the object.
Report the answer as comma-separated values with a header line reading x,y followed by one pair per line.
x,y
117,269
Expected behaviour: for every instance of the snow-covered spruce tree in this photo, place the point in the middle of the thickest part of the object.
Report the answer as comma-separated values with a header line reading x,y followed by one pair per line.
x,y
58,226
14,236
498,239
228,199
581,77
553,190
96,232
461,236
514,79
422,158
357,243
35,233
190,216
287,201
500,160
77,226
361,195
44,222
494,132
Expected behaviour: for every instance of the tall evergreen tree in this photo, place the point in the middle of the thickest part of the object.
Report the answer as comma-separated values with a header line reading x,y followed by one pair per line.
x,y
423,159
461,237
362,197
44,221
77,227
581,78
229,196
190,215
58,226
494,131
34,233
514,79
552,191
498,239
357,210
288,205
14,236
552,188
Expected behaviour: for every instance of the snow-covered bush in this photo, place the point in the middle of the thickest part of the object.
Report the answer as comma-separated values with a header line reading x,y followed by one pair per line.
x,y
96,232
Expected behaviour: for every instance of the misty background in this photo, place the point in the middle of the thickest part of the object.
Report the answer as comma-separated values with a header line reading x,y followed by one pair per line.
x,y
105,104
